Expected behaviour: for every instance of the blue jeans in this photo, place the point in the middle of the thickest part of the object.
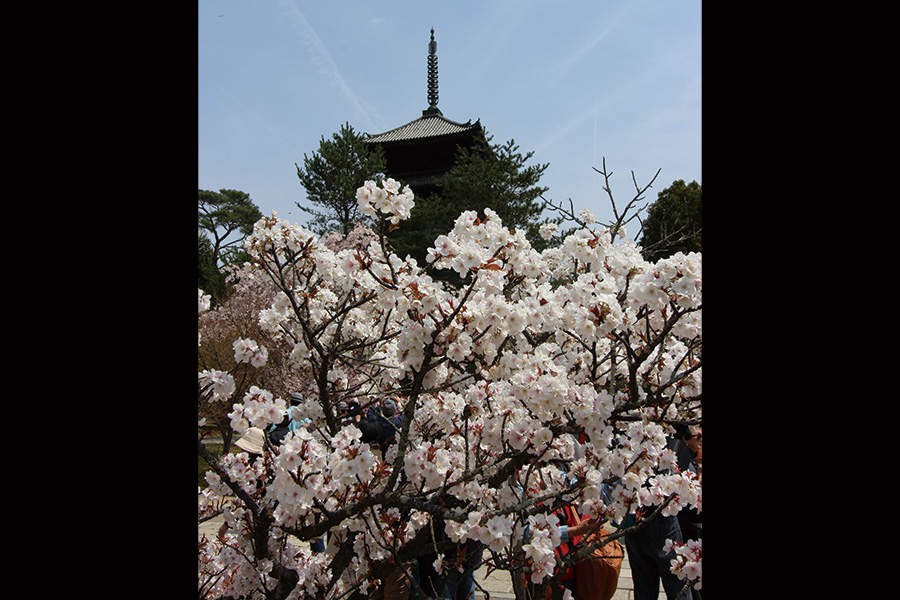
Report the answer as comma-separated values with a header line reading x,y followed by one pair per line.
x,y
459,586
650,564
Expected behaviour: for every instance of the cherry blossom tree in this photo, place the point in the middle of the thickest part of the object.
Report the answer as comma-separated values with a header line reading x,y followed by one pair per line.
x,y
232,328
547,378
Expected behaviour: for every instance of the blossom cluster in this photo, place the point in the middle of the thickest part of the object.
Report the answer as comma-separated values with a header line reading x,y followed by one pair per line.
x,y
258,409
220,384
545,375
387,199
203,302
688,561
540,549
248,351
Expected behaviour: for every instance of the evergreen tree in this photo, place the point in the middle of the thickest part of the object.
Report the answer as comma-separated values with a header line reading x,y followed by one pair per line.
x,y
224,219
674,222
209,278
223,213
331,177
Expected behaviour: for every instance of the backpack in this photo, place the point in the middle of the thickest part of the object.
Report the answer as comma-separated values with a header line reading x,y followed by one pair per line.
x,y
598,577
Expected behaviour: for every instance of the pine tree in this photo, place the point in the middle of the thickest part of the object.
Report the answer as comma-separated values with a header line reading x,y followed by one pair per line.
x,y
331,177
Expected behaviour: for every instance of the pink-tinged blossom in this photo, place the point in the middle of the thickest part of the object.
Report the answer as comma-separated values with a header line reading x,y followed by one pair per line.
x,y
547,230
389,200
248,351
204,300
219,383
688,561
349,262
496,532
444,246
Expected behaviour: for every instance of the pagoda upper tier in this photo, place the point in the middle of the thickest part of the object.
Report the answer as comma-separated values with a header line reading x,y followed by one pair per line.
x,y
421,151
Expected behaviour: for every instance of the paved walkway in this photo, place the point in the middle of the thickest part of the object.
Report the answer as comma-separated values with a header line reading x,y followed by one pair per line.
x,y
497,584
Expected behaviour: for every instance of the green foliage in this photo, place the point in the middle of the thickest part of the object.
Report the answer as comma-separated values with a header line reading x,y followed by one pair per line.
x,y
332,175
209,278
674,222
223,213
224,219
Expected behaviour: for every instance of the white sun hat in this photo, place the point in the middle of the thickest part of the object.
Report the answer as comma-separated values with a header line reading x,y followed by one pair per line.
x,y
252,441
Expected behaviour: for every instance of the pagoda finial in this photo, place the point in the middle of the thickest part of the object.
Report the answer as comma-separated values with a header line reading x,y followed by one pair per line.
x,y
432,73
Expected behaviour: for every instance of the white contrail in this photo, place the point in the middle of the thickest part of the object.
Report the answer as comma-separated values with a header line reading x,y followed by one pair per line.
x,y
320,57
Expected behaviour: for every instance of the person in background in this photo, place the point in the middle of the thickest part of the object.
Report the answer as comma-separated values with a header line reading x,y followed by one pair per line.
x,y
253,442
385,418
351,413
378,427
691,439
279,431
571,528
649,562
461,586
686,443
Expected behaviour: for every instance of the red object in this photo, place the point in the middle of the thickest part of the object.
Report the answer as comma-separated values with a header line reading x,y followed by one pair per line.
x,y
571,519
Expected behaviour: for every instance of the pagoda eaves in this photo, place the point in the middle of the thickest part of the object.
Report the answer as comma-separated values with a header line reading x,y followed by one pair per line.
x,y
427,126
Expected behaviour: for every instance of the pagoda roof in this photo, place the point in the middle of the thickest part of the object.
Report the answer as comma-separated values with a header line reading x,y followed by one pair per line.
x,y
432,124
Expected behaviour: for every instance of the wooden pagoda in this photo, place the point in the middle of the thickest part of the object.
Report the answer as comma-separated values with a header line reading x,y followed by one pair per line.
x,y
421,151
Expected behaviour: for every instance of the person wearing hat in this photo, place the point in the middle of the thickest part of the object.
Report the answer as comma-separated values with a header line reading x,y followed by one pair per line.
x,y
253,441
278,431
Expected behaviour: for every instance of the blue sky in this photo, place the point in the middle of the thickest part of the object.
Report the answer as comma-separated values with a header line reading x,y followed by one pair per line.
x,y
572,80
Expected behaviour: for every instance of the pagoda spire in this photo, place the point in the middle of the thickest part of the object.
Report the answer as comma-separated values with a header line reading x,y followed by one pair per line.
x,y
432,77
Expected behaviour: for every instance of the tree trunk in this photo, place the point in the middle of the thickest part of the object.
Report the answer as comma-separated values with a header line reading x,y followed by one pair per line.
x,y
224,425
